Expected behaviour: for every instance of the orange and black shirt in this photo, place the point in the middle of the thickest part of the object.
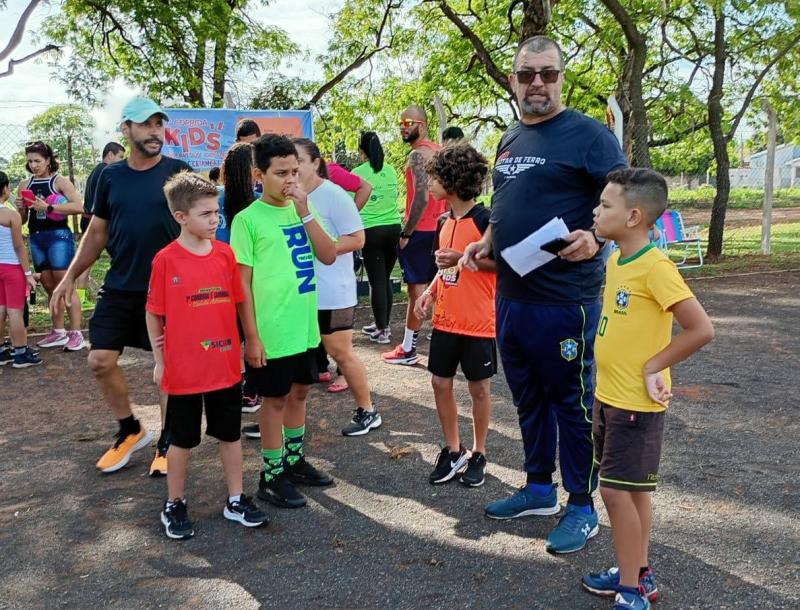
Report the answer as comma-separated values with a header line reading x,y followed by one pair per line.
x,y
464,298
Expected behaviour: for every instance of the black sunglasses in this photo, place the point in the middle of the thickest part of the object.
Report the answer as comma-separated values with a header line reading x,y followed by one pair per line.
x,y
548,76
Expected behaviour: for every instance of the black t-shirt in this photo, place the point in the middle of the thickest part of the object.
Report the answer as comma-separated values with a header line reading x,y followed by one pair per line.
x,y
554,168
139,221
38,221
91,187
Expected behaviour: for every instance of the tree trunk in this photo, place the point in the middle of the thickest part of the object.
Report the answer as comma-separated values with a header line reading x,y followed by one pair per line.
x,y
536,17
195,92
769,180
221,59
716,227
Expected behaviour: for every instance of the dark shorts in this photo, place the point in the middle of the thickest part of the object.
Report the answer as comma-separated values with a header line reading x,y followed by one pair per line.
x,y
276,379
118,321
52,250
334,320
627,447
223,416
476,355
416,259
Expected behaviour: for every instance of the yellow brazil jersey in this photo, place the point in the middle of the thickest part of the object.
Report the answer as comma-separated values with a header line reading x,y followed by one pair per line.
x,y
635,325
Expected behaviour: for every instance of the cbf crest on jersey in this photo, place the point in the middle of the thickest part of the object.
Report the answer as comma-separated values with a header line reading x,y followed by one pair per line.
x,y
622,300
569,349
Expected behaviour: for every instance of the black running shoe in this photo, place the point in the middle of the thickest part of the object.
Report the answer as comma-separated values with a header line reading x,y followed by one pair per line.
x,y
449,464
251,431
176,520
475,473
245,512
303,473
250,404
362,422
280,492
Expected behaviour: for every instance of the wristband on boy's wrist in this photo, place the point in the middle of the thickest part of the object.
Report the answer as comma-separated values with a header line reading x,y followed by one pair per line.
x,y
307,218
28,273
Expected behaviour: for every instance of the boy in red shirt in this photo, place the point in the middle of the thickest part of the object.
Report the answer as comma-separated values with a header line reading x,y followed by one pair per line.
x,y
195,289
464,318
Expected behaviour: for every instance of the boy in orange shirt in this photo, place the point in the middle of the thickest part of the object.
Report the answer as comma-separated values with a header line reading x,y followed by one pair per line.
x,y
464,318
195,289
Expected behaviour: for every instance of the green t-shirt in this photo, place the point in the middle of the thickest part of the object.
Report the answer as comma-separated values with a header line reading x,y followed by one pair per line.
x,y
273,241
382,208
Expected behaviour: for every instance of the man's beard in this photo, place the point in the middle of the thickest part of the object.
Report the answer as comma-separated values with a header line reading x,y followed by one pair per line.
x,y
411,137
539,109
140,146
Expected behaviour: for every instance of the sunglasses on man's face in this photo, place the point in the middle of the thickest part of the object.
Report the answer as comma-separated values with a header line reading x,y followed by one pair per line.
x,y
548,76
409,122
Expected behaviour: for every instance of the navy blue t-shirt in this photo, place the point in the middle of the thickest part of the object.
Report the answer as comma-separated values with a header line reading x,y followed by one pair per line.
x,y
139,221
554,168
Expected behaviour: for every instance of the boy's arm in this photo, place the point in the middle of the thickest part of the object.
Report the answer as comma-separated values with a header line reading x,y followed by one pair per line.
x,y
426,299
697,330
350,242
324,246
254,353
155,330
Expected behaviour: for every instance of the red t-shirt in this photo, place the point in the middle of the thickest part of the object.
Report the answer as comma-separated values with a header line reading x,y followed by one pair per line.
x,y
435,207
197,296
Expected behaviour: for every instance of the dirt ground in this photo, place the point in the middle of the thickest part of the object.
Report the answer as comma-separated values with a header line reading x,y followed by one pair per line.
x,y
725,532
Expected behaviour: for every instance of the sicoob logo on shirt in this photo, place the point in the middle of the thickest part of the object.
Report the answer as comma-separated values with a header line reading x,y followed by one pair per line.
x,y
512,167
302,257
223,345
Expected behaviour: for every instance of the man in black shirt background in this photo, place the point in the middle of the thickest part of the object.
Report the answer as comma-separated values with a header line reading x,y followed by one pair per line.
x,y
132,221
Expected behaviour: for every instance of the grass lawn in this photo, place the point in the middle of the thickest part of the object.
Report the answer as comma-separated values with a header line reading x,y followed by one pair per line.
x,y
740,198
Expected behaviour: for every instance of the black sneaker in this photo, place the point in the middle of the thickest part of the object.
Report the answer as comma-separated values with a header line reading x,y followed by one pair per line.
x,y
280,492
176,520
245,512
476,470
5,356
26,359
449,464
251,431
362,422
303,473
250,404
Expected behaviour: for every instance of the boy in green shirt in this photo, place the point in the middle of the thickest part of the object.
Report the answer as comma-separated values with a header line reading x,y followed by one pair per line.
x,y
275,240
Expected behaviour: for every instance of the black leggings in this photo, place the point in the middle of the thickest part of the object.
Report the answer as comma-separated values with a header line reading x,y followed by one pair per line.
x,y
380,255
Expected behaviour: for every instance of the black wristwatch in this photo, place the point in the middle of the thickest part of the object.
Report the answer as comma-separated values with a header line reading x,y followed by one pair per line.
x,y
404,235
50,208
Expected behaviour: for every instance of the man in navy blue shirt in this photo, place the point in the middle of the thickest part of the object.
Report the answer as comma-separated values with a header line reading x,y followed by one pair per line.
x,y
552,163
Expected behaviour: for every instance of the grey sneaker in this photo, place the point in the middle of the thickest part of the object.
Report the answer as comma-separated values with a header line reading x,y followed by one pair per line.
x,y
362,422
382,337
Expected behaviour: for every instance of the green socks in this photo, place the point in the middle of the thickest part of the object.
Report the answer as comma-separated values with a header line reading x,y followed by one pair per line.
x,y
293,444
273,463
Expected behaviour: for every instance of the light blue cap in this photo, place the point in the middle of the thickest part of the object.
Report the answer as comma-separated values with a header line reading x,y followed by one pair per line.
x,y
140,108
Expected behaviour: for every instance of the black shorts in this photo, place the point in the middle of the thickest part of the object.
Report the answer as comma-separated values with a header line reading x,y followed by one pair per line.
x,y
118,321
416,259
334,320
223,416
276,379
627,447
476,355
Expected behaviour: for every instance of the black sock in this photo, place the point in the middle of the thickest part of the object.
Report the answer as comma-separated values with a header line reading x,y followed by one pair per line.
x,y
581,500
130,425
414,340
539,477
163,442
643,570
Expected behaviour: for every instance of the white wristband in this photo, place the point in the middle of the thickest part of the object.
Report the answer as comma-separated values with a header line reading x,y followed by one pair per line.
x,y
306,219
28,273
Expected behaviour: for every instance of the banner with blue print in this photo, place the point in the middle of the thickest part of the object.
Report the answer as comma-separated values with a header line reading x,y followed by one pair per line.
x,y
202,136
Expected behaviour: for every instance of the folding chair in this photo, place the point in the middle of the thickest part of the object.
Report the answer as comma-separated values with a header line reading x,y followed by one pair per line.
x,y
674,236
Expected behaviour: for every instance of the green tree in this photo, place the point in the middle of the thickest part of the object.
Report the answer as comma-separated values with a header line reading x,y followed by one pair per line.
x,y
182,49
62,126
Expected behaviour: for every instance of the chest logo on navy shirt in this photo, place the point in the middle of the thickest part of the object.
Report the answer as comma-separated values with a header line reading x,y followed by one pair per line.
x,y
302,257
569,349
511,167
622,300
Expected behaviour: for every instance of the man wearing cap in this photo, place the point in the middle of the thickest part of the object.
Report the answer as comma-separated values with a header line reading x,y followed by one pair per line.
x,y
132,221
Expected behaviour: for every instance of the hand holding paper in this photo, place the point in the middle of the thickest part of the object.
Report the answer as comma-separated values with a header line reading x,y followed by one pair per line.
x,y
527,255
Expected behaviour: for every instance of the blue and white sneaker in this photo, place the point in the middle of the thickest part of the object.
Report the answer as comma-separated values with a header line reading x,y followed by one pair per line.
x,y
524,503
606,583
573,531
630,601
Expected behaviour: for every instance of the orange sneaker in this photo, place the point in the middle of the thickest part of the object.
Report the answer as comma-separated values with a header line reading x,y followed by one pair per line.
x,y
120,452
158,468
400,356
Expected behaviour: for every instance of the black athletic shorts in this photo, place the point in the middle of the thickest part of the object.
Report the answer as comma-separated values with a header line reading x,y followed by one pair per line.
x,y
276,379
223,416
476,355
118,321
334,320
627,447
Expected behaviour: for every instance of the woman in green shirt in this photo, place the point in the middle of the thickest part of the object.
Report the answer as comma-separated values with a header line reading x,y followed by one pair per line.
x,y
381,218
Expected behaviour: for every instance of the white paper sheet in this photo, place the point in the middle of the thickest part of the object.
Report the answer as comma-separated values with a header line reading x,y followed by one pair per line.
x,y
526,255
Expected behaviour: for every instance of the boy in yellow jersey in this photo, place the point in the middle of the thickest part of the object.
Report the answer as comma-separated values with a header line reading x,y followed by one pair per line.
x,y
634,349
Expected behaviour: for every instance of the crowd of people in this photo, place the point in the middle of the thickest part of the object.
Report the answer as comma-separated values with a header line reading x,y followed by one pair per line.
x,y
243,285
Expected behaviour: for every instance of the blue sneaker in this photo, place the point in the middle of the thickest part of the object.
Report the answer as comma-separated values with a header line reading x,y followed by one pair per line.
x,y
573,531
524,503
630,601
606,583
